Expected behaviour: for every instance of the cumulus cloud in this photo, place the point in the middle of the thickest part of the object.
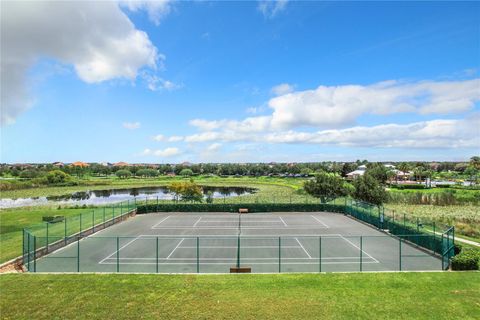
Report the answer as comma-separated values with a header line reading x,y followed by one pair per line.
x,y
131,125
441,133
156,9
161,137
156,83
214,147
282,89
270,8
96,38
165,153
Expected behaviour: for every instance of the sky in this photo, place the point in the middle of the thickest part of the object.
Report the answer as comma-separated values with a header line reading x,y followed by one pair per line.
x,y
249,81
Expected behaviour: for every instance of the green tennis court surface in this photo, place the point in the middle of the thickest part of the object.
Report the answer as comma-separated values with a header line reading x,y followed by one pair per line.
x,y
214,242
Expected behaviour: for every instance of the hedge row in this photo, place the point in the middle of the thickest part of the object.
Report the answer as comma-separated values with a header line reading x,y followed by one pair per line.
x,y
408,186
234,207
467,259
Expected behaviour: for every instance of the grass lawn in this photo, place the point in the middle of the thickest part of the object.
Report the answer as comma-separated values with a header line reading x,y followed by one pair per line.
x,y
12,221
445,295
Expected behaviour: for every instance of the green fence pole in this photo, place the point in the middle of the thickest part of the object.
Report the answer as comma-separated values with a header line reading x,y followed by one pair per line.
x,y
80,224
23,246
400,254
361,252
238,251
156,257
34,253
279,254
103,217
65,230
28,252
47,237
118,254
157,205
93,221
320,254
198,254
78,254
113,214
121,212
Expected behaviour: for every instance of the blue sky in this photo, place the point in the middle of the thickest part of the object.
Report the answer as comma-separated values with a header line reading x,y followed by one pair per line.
x,y
167,82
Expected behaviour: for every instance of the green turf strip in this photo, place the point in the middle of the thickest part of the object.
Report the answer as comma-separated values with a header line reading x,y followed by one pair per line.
x,y
443,295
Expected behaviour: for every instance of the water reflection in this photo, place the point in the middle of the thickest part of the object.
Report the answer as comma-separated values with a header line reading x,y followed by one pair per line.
x,y
97,197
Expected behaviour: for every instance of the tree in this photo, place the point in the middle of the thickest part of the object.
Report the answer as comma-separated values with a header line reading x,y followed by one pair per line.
x,y
123,174
348,167
326,186
57,176
186,172
475,162
368,189
404,167
186,191
378,171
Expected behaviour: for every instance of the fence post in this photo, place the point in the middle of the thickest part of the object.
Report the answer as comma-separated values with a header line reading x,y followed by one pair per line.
x,y
28,252
361,253
34,253
103,217
157,205
118,254
78,254
46,246
93,221
80,224
279,255
198,254
320,253
400,254
156,257
113,214
65,230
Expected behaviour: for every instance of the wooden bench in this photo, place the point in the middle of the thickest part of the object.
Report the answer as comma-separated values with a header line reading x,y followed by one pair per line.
x,y
243,210
240,270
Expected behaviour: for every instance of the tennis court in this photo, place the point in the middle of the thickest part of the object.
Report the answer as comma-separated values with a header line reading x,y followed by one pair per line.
x,y
215,242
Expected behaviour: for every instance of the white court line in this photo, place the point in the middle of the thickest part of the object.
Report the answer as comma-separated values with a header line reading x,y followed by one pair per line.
x,y
320,221
160,222
116,251
175,248
197,222
309,256
241,247
235,220
353,244
233,261
283,221
230,258
260,227
234,236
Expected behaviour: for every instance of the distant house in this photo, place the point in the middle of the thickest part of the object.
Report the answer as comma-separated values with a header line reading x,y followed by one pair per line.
x,y
357,173
58,164
121,164
79,164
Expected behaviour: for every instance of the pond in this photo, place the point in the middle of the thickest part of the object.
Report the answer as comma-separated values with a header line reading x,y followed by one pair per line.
x,y
99,197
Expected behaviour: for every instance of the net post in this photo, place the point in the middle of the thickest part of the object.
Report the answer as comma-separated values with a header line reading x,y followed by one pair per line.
x,y
156,256
400,254
198,254
46,245
34,253
238,251
118,254
319,253
78,254
361,253
279,254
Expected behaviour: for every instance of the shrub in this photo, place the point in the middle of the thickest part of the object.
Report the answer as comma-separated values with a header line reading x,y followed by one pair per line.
x,y
408,186
123,173
467,259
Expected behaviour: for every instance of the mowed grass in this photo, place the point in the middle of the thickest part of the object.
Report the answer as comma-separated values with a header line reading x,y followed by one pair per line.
x,y
12,222
445,295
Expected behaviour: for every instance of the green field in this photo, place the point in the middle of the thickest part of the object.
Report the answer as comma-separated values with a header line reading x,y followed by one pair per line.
x,y
300,296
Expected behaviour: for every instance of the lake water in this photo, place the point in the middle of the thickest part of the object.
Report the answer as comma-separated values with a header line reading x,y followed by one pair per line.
x,y
99,197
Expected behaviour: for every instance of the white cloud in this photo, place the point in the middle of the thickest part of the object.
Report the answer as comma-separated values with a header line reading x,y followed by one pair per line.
x,y
214,147
270,8
97,38
156,9
341,105
282,89
156,83
161,137
167,152
131,125
448,133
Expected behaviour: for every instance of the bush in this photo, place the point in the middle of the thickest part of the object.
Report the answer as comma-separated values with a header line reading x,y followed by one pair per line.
x,y
408,186
123,173
53,219
467,259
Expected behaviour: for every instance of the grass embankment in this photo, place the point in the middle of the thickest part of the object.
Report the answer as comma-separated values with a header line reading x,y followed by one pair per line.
x,y
287,296
465,218
12,221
